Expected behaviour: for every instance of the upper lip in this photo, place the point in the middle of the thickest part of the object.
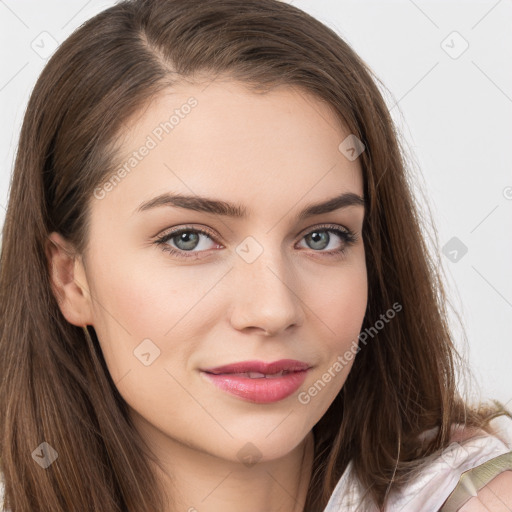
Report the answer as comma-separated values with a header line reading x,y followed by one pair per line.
x,y
289,365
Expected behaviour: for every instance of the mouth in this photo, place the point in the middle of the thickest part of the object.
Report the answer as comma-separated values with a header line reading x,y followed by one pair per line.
x,y
257,381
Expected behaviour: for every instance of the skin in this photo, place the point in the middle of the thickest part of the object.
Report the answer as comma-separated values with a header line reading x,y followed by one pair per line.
x,y
496,496
273,154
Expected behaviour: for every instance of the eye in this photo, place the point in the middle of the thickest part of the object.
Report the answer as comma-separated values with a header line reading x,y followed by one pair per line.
x,y
321,237
186,239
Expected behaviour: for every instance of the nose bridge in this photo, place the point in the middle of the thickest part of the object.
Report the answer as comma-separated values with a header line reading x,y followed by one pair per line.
x,y
266,295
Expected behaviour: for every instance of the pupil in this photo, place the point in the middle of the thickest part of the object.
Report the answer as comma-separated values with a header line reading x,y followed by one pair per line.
x,y
317,237
189,238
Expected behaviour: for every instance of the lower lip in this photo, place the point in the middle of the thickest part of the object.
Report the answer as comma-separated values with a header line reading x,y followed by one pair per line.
x,y
261,391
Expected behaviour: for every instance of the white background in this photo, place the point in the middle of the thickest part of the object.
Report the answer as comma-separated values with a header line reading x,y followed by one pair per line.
x,y
455,115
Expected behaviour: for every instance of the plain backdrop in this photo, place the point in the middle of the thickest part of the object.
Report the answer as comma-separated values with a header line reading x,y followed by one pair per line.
x,y
448,84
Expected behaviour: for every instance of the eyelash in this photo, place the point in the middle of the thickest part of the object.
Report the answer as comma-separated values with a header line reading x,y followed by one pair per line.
x,y
349,238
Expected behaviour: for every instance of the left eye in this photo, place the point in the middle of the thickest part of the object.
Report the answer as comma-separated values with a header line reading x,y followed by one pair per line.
x,y
321,238
187,239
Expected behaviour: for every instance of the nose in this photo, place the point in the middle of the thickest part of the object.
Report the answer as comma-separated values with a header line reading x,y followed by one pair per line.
x,y
266,297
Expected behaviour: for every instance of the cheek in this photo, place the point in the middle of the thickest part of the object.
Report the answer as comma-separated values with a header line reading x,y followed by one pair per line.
x,y
143,294
340,301
145,308
142,317
339,308
346,312
132,304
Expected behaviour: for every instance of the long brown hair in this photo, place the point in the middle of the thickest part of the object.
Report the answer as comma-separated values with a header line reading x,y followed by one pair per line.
x,y
55,385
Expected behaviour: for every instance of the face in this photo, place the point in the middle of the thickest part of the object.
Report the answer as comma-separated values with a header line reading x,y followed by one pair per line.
x,y
179,288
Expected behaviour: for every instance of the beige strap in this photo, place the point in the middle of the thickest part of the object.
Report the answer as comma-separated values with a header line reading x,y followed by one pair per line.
x,y
472,480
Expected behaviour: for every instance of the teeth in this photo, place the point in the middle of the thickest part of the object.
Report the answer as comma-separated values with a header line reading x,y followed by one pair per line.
x,y
274,375
258,375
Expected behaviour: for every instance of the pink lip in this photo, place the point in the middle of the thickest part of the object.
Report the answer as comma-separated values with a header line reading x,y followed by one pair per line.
x,y
262,389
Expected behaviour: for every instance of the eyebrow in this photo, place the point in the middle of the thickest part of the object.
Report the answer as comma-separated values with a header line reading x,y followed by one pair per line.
x,y
224,208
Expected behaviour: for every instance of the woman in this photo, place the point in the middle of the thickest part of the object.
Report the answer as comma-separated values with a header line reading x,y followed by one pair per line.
x,y
210,304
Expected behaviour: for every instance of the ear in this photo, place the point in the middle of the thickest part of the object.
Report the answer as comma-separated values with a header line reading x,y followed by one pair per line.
x,y
69,281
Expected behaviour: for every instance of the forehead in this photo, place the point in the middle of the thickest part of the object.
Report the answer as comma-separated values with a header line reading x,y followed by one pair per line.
x,y
221,139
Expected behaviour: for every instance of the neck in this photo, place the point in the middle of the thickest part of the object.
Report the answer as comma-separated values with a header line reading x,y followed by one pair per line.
x,y
196,481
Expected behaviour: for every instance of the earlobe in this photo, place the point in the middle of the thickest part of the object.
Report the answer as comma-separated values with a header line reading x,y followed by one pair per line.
x,y
68,281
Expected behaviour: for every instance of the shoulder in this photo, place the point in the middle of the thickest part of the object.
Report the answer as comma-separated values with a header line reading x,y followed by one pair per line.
x,y
485,484
487,487
496,496
433,486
